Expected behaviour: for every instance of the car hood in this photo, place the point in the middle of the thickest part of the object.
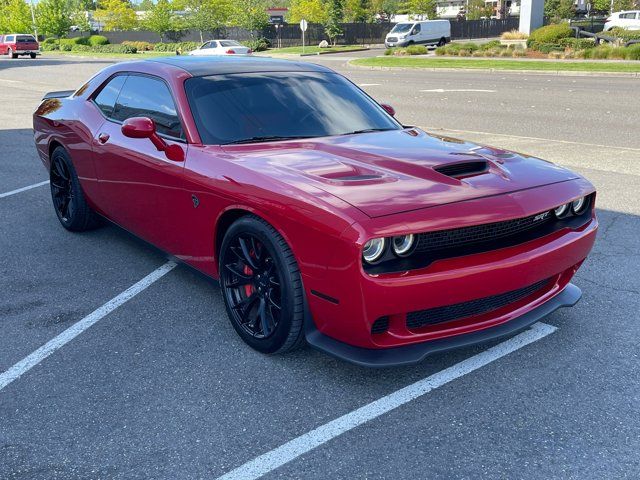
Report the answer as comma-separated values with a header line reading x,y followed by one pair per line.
x,y
384,173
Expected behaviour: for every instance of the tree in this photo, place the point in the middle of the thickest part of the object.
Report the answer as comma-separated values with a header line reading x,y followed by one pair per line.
x,y
16,16
116,15
54,17
332,26
207,15
314,11
250,15
557,10
385,8
423,8
357,11
160,18
477,9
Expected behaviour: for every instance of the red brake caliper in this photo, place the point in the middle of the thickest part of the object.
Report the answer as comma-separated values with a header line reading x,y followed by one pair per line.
x,y
249,288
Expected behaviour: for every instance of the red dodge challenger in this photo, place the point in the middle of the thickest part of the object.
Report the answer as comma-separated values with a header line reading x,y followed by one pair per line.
x,y
324,218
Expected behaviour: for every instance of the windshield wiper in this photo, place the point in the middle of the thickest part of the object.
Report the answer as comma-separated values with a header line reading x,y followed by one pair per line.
x,y
266,138
369,130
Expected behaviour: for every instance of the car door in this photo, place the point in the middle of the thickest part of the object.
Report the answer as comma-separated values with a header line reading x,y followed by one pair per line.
x,y
139,187
3,47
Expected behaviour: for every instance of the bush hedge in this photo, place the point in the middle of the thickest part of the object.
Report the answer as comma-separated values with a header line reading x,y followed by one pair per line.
x,y
95,40
623,34
258,44
183,47
550,34
140,46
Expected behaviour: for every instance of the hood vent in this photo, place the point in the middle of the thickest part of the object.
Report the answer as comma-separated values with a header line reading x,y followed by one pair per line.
x,y
463,169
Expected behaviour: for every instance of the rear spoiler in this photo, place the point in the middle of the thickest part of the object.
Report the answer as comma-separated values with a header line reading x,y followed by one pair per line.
x,y
58,94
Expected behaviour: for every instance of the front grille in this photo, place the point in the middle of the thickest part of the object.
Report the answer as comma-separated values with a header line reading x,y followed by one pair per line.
x,y
478,234
381,325
462,169
457,311
392,39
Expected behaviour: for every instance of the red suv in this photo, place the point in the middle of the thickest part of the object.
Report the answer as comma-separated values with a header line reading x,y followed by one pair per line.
x,y
16,44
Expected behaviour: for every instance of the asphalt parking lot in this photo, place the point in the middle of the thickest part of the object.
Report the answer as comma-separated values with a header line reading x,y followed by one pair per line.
x,y
162,387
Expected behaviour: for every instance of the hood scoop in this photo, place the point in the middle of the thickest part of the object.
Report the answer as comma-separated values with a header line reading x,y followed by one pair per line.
x,y
463,169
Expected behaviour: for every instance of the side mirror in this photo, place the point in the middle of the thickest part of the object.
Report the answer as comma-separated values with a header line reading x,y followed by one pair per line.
x,y
389,109
144,127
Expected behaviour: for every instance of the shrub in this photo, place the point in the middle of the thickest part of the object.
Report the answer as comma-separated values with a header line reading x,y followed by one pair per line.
x,y
549,47
50,41
514,35
519,52
95,40
73,41
173,47
490,45
140,46
389,51
470,46
550,34
258,44
78,47
439,51
577,43
463,52
417,50
632,52
623,34
65,47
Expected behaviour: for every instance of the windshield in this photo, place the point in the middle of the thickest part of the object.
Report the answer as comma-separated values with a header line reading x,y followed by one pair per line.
x,y
268,106
402,28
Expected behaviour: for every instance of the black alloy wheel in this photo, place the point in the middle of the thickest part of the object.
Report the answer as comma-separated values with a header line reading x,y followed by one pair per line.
x,y
68,198
261,286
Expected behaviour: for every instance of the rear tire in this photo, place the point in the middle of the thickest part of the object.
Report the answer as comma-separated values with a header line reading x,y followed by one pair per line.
x,y
32,55
66,193
262,286
442,42
11,54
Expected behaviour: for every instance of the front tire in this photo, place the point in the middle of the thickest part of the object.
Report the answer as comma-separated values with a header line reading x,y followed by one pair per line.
x,y
262,286
66,193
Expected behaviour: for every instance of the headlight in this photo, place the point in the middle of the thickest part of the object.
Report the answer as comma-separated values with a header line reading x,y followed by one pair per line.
x,y
579,205
402,244
373,250
561,211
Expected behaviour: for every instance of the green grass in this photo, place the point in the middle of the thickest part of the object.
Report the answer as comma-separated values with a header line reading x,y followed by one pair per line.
x,y
315,49
131,56
559,65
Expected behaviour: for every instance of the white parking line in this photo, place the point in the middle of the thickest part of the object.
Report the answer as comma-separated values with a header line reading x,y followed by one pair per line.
x,y
76,329
18,190
443,90
298,446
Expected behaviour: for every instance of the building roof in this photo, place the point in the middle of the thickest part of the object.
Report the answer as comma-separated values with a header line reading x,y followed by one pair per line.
x,y
214,65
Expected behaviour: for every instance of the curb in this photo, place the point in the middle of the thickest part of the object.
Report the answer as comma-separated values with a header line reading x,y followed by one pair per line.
x,y
556,73
331,53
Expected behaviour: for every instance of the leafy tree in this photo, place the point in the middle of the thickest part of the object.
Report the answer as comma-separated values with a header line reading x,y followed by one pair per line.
x,y
619,5
423,8
250,15
207,15
54,17
557,10
477,9
332,26
144,6
15,17
357,11
160,18
314,11
385,8
116,15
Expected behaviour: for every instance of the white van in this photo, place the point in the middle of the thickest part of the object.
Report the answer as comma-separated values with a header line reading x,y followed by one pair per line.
x,y
427,32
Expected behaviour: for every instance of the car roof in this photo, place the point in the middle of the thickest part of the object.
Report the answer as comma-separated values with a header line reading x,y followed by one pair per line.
x,y
204,66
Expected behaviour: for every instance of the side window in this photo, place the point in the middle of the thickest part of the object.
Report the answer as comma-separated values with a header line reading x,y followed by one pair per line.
x,y
9,39
106,99
416,29
206,45
142,96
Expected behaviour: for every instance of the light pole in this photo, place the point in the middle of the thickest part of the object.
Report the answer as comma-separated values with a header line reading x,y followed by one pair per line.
x,y
33,19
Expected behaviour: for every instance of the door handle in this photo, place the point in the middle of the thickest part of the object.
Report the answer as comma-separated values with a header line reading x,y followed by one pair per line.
x,y
103,138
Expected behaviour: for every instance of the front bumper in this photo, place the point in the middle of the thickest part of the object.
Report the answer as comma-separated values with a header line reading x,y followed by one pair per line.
x,y
411,354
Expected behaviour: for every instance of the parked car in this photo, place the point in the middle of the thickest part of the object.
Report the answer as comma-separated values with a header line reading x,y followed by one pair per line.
x,y
16,44
322,216
427,32
221,47
628,19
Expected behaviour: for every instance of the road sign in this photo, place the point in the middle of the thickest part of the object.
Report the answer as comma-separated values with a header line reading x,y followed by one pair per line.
x,y
303,25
